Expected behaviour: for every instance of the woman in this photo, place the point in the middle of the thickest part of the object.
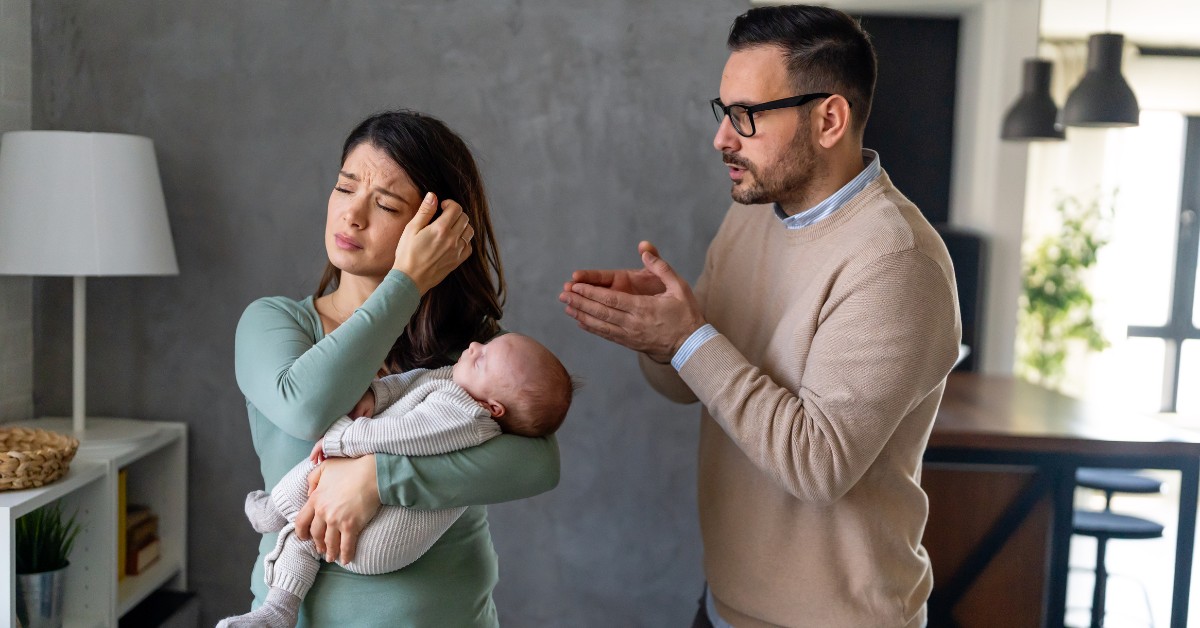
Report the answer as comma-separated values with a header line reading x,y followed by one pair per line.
x,y
393,297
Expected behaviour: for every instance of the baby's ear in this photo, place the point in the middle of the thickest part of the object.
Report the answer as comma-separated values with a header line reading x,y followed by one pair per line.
x,y
495,407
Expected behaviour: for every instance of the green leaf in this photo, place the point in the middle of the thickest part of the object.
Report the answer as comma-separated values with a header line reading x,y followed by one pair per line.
x,y
1056,303
45,539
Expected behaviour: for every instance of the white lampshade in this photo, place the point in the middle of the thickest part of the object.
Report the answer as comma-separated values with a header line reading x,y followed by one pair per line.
x,y
82,204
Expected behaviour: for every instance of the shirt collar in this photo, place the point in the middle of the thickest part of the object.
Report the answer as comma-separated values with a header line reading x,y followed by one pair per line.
x,y
825,208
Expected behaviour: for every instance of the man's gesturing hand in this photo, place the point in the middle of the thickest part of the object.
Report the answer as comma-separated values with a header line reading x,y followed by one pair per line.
x,y
651,310
633,281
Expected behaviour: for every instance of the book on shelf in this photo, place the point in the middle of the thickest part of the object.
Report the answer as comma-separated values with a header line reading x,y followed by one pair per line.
x,y
139,539
143,557
135,514
144,530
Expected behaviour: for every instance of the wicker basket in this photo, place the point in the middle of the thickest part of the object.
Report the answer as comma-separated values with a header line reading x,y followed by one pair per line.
x,y
31,457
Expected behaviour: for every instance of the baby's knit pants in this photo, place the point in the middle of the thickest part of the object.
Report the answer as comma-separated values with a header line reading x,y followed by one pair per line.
x,y
393,539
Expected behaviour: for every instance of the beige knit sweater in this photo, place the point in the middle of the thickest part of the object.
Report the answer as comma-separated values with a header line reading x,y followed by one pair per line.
x,y
819,395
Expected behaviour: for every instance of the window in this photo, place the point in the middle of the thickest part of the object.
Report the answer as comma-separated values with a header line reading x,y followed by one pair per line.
x,y
1145,285
1178,328
1188,395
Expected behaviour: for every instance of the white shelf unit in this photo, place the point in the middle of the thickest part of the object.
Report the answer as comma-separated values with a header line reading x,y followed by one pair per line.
x,y
155,455
82,492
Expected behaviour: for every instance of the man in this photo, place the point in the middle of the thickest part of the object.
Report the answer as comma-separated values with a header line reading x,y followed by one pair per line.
x,y
818,340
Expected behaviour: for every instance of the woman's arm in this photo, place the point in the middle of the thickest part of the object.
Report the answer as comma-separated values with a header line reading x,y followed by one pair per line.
x,y
304,386
345,493
505,468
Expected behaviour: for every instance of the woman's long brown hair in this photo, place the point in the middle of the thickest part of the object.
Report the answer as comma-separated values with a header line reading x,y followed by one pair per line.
x,y
467,305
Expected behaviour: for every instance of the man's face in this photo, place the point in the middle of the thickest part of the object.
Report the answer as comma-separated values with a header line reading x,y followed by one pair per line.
x,y
777,163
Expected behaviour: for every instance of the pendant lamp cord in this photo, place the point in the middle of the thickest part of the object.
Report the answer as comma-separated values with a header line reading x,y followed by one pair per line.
x,y
1107,16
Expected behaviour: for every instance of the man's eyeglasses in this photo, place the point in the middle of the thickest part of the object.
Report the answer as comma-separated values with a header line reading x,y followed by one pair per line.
x,y
742,116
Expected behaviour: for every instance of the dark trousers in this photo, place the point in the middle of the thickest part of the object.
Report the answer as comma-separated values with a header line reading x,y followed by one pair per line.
x,y
701,620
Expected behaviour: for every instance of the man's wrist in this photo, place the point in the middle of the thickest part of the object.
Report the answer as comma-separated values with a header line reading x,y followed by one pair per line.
x,y
656,360
691,344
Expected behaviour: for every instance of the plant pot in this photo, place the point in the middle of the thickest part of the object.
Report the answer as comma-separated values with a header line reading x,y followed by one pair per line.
x,y
40,598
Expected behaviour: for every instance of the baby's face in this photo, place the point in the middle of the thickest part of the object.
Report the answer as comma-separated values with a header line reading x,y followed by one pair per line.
x,y
485,371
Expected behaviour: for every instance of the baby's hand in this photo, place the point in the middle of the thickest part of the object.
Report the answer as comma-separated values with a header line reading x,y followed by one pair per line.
x,y
318,453
365,406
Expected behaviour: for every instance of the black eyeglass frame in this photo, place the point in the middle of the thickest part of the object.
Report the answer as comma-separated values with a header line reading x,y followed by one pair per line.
x,y
721,110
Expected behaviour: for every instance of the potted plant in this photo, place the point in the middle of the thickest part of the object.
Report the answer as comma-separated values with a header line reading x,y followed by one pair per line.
x,y
1056,312
44,541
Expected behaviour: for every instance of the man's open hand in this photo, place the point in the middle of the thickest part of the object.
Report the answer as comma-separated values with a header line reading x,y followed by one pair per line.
x,y
651,309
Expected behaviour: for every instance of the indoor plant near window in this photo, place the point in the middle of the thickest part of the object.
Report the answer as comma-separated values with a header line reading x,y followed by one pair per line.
x,y
44,541
1056,302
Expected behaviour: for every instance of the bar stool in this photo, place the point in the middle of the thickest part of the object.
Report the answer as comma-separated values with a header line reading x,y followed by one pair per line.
x,y
1106,524
1115,481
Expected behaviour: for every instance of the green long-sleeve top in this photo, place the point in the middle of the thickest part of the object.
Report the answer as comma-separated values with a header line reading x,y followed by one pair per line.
x,y
298,381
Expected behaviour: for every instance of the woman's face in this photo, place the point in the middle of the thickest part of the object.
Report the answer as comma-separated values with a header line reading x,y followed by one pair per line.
x,y
371,203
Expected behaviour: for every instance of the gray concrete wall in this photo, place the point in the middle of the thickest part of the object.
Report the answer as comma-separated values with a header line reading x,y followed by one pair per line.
x,y
592,128
16,293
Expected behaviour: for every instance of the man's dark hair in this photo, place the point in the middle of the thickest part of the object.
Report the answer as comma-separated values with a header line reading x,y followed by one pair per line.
x,y
826,51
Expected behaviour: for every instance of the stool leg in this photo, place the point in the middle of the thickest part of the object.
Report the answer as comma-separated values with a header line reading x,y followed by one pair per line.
x,y
1101,584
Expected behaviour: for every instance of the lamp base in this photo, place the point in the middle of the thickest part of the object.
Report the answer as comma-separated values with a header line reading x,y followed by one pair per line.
x,y
101,433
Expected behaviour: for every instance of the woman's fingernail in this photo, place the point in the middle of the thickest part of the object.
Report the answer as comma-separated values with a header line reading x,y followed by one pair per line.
x,y
428,198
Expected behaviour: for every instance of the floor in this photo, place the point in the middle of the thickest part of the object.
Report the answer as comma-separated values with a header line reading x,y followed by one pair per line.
x,y
1141,571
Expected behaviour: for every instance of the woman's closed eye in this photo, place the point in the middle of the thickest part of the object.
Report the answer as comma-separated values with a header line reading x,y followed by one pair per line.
x,y
386,208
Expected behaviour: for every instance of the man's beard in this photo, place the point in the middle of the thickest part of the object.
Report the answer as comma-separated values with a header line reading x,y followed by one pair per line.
x,y
786,180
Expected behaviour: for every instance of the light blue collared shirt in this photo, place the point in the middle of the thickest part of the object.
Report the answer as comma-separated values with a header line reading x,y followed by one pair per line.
x,y
811,216
710,607
825,208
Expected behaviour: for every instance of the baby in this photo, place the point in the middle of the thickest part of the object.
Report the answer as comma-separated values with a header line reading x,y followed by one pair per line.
x,y
511,384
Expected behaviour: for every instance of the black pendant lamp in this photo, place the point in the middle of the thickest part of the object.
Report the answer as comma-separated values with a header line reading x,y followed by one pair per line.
x,y
1102,98
1034,117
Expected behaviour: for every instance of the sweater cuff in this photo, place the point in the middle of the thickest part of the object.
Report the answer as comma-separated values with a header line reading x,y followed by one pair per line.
x,y
711,367
392,475
401,282
486,428
698,338
382,394
333,438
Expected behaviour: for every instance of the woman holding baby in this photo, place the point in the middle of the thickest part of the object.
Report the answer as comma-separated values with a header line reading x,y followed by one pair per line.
x,y
414,276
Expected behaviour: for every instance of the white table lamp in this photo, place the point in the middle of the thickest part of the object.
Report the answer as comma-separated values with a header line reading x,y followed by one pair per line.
x,y
79,205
